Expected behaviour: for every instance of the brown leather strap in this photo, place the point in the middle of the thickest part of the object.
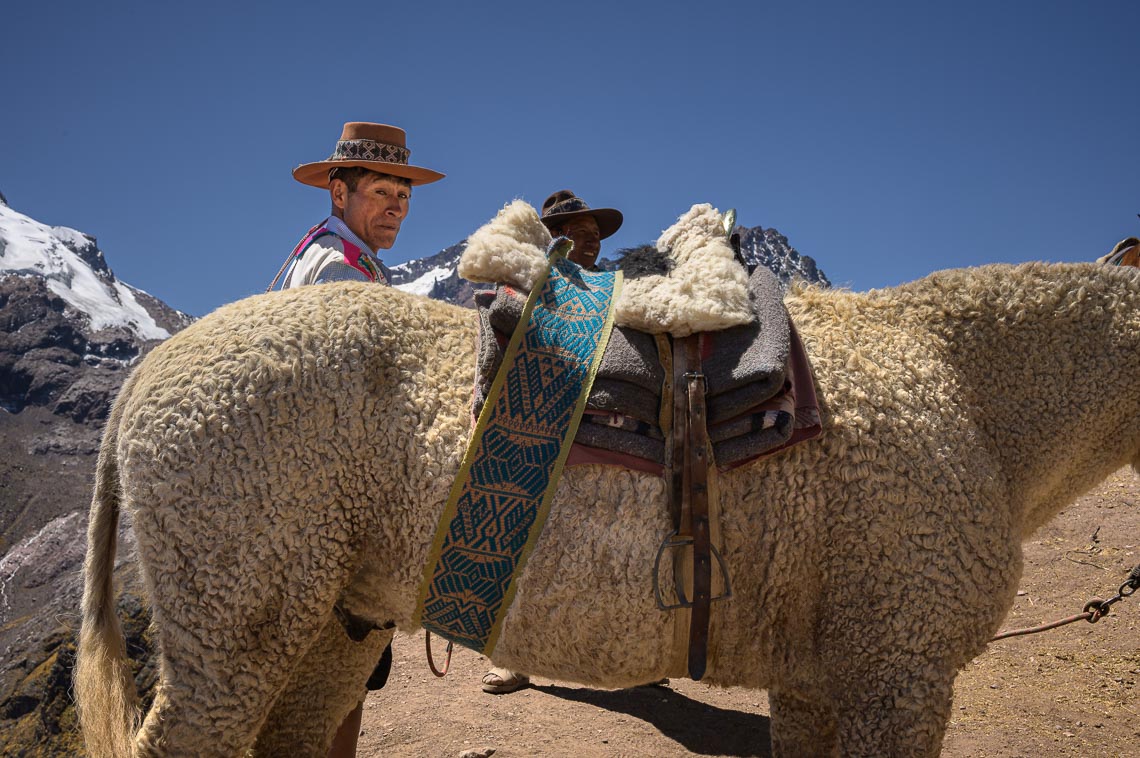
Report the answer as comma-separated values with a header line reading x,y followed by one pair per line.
x,y
677,438
696,471
687,460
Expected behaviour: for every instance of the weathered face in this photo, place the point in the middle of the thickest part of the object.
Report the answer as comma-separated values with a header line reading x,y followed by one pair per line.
x,y
583,232
374,210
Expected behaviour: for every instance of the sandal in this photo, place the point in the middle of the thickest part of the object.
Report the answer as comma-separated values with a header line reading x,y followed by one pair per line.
x,y
500,681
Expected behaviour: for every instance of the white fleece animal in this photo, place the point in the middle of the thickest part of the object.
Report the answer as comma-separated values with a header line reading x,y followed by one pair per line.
x,y
295,449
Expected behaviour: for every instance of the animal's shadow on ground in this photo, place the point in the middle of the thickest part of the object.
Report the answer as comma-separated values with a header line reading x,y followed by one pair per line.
x,y
699,728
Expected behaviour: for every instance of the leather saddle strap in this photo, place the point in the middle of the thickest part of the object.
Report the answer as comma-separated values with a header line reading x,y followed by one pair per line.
x,y
675,459
696,504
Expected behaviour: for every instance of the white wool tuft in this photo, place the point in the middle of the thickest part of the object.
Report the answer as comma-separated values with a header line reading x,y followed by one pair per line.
x,y
707,289
510,248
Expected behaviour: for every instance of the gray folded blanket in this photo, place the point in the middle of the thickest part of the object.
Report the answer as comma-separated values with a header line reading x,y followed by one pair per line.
x,y
745,368
745,365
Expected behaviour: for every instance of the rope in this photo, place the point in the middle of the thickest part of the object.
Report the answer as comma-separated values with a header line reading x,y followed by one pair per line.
x,y
1089,616
1094,610
431,661
280,271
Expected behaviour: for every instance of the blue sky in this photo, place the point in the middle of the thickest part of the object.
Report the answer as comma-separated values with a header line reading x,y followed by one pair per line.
x,y
884,139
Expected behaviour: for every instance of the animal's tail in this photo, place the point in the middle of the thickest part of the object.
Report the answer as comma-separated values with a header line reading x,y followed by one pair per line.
x,y
104,686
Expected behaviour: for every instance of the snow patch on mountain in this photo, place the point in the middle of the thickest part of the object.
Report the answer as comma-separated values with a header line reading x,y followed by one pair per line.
x,y
425,282
74,269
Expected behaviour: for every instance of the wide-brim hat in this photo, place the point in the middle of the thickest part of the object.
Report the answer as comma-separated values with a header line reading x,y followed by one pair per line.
x,y
564,205
377,147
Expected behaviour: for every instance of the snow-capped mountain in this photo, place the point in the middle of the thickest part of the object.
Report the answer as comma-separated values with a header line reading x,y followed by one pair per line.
x,y
69,327
69,331
421,275
72,265
436,276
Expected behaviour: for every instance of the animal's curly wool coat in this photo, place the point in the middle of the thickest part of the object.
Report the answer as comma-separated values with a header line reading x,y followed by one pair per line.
x,y
296,448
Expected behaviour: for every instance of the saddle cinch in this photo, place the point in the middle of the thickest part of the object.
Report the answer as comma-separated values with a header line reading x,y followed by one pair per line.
x,y
703,367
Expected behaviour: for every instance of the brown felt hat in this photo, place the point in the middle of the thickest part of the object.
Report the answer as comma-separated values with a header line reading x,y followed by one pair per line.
x,y
564,205
377,147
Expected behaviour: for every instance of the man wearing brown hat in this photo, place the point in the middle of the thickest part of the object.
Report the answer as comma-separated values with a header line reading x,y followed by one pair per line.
x,y
370,184
565,215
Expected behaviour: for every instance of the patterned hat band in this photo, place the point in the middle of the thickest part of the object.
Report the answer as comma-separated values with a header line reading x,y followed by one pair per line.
x,y
570,205
564,206
370,150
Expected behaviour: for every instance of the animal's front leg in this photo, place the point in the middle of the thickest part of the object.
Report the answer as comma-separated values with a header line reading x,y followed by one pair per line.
x,y
801,727
897,708
325,687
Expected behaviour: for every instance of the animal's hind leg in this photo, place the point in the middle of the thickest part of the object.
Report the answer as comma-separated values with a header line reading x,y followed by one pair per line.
x,y
231,631
184,722
324,688
801,727
211,701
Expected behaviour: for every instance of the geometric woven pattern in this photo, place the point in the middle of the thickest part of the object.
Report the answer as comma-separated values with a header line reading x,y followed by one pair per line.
x,y
504,486
370,150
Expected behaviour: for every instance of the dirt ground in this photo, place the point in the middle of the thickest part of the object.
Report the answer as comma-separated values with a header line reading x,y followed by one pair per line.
x,y
1067,692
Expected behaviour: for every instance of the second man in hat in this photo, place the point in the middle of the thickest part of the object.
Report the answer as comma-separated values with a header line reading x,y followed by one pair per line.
x,y
565,215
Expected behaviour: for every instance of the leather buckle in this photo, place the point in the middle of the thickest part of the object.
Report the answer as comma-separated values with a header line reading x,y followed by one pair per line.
x,y
691,375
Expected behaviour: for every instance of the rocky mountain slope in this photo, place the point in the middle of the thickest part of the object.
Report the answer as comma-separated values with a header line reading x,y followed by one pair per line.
x,y
767,247
69,333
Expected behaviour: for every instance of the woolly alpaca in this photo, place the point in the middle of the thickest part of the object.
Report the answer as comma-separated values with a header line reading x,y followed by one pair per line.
x,y
295,449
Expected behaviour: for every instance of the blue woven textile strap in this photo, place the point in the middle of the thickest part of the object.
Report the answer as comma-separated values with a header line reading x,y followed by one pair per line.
x,y
502,492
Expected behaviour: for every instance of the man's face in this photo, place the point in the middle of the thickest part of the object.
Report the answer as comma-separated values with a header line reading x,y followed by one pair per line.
x,y
374,210
583,232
